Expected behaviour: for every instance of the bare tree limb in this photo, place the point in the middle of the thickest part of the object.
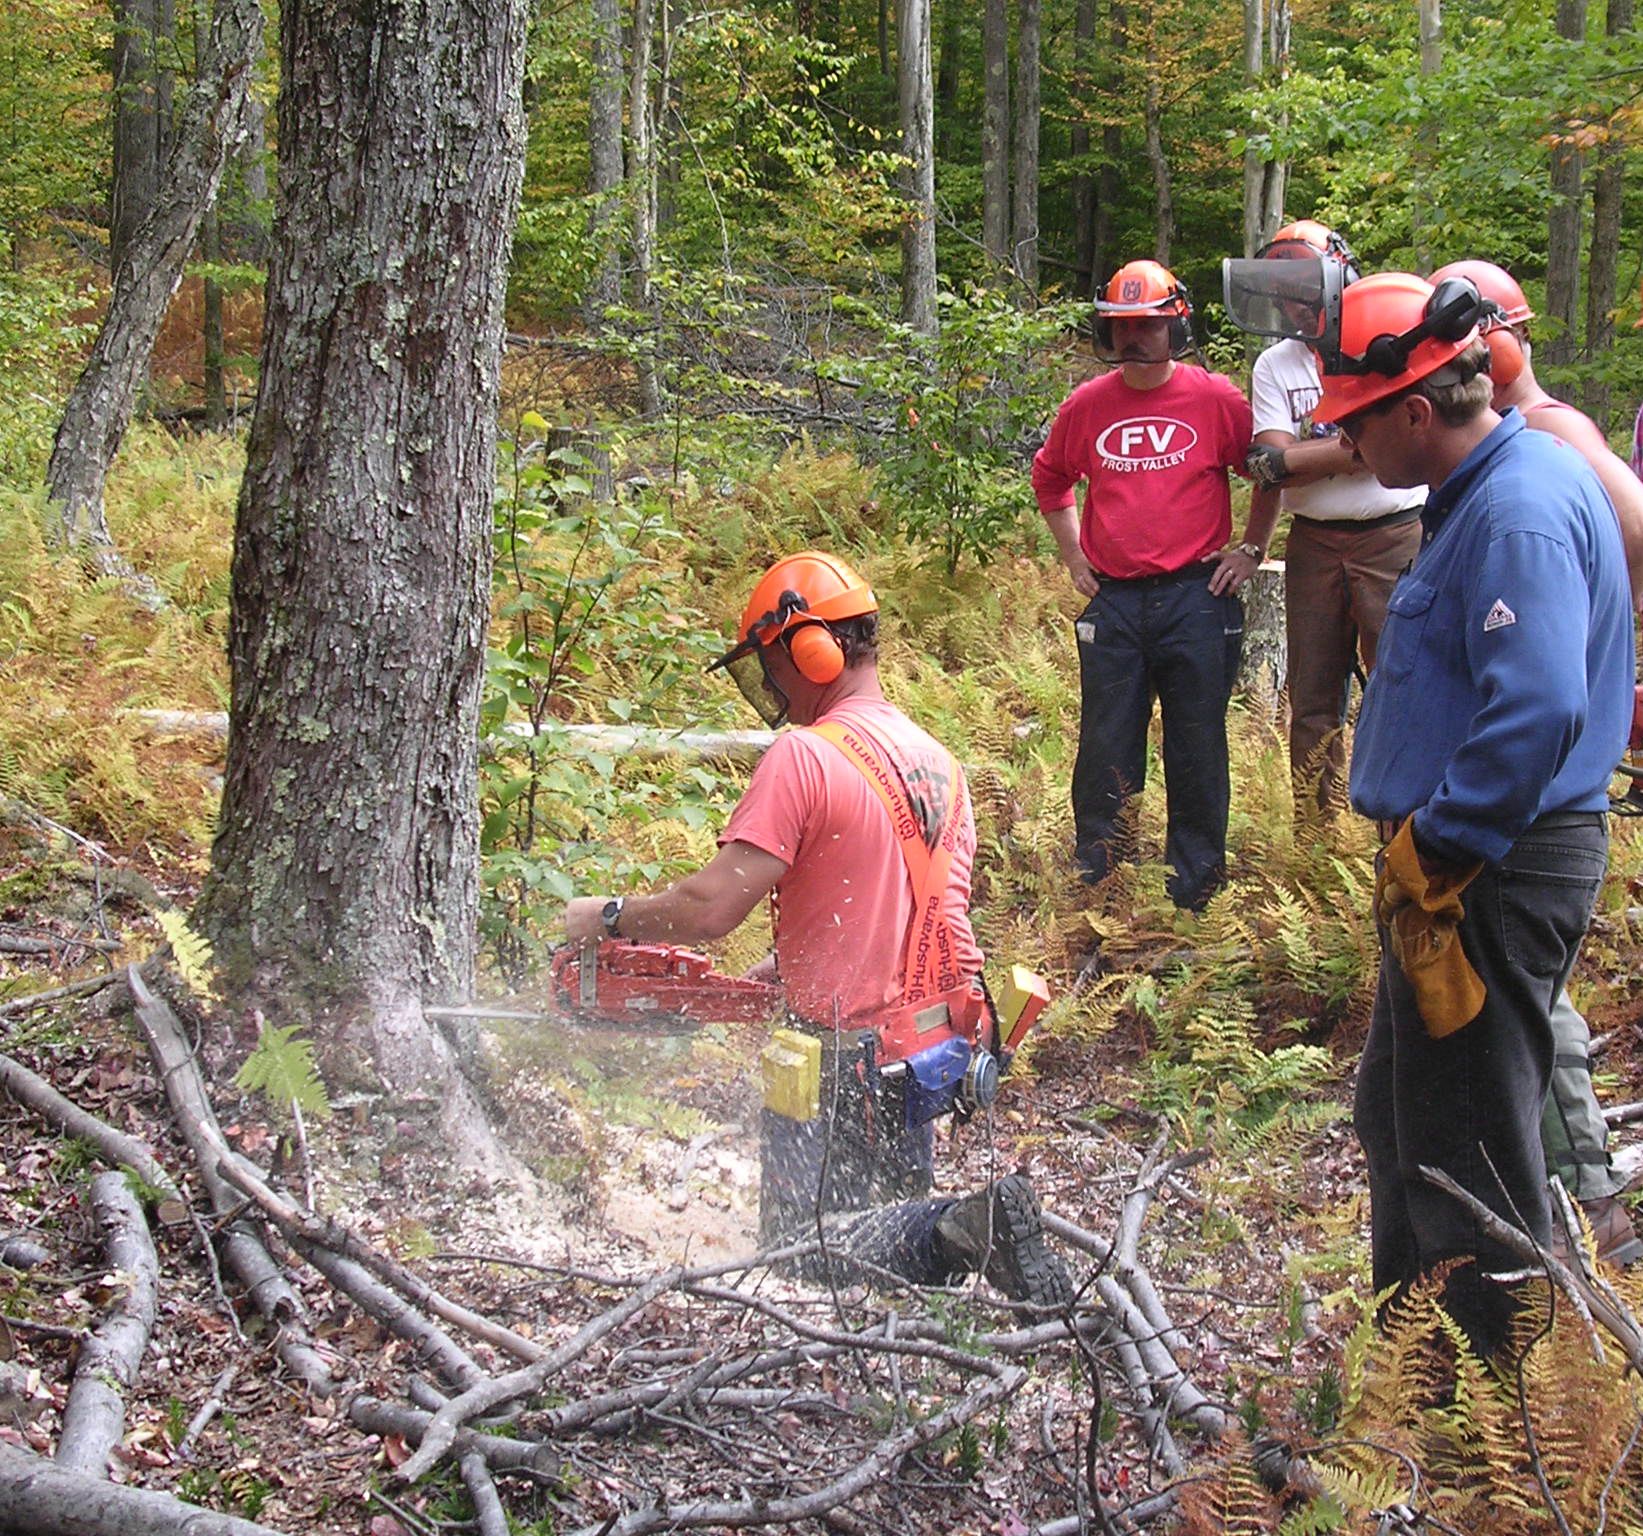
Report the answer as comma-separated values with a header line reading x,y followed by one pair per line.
x,y
94,1415
501,1454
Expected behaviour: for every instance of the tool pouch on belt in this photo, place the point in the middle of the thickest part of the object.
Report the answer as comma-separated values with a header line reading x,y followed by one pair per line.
x,y
1422,914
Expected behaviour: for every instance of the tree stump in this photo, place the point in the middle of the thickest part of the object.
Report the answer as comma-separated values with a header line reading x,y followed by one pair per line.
x,y
1264,669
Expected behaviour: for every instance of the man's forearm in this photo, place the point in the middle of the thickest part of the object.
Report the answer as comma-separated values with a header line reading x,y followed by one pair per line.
x,y
1318,458
1263,517
1064,526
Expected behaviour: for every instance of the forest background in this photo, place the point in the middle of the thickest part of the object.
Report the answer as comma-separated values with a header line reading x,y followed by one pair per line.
x,y
747,312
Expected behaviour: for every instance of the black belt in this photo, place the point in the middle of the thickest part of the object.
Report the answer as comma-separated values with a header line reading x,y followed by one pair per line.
x,y
1364,524
1195,572
1552,821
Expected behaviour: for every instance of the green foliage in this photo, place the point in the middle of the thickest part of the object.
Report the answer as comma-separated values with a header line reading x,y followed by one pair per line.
x,y
40,329
588,623
957,409
190,953
281,1068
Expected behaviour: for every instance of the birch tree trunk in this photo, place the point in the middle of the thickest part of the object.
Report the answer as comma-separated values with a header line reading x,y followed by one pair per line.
x,y
1254,177
99,406
344,878
1602,269
1027,113
918,231
605,147
1157,159
1102,256
1563,220
641,178
995,132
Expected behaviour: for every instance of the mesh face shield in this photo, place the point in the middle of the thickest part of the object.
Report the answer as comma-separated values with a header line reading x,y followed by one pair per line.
x,y
747,670
1298,297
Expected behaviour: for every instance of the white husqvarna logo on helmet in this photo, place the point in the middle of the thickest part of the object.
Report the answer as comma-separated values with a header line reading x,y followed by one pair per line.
x,y
1145,442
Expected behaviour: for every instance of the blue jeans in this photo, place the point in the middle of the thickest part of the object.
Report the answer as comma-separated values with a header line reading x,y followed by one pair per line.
x,y
1165,638
1471,1103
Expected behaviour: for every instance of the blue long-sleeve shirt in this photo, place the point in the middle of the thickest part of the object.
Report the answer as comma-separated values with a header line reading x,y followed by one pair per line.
x,y
1502,688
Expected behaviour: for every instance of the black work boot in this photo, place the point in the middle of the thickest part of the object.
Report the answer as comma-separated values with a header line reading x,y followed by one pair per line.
x,y
1000,1232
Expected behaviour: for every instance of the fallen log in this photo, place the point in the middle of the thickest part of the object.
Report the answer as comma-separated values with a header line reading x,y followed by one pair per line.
x,y
499,1452
242,1250
42,1499
94,1415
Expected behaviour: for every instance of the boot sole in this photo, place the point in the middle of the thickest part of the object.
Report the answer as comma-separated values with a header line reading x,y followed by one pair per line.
x,y
1021,1264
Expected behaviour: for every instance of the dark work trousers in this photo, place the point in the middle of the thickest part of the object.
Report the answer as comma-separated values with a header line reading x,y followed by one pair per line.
x,y
1165,638
1474,1098
1337,579
868,1180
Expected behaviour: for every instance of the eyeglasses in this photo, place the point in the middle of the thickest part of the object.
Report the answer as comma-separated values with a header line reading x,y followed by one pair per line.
x,y
1351,427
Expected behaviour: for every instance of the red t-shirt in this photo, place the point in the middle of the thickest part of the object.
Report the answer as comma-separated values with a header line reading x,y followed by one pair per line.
x,y
1156,461
846,902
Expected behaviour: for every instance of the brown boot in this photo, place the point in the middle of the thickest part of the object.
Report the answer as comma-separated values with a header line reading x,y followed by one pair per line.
x,y
1615,1237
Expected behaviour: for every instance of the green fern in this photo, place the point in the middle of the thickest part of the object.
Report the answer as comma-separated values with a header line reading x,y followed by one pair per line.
x,y
282,1068
190,953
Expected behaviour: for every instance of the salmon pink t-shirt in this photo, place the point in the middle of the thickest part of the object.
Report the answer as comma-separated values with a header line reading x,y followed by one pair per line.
x,y
846,902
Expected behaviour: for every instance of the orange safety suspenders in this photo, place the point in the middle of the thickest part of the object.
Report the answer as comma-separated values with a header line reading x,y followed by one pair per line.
x,y
930,974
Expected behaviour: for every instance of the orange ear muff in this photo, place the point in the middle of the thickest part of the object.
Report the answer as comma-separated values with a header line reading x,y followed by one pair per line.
x,y
816,652
1505,355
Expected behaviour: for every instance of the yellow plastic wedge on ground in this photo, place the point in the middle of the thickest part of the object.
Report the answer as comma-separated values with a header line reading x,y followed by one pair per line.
x,y
792,1074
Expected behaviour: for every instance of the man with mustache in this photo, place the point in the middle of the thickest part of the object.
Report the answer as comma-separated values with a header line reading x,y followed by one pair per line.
x,y
1153,441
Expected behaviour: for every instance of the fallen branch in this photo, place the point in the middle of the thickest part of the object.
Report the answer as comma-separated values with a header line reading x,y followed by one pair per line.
x,y
107,1368
500,1454
1623,1114
41,1498
57,994
242,1250
117,1149
209,1409
489,1515
876,1464
21,944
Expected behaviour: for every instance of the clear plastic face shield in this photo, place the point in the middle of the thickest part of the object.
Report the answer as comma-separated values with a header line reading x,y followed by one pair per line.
x,y
1289,295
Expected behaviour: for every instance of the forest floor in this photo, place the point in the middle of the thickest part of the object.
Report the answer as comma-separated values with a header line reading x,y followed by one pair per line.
x,y
648,1144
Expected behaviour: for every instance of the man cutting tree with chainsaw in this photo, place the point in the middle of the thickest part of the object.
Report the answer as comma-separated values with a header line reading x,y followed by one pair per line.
x,y
858,828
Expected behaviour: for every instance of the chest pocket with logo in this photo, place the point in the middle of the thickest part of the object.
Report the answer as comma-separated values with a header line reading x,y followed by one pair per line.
x,y
1407,614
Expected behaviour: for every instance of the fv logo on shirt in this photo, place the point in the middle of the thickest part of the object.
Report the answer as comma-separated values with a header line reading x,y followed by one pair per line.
x,y
1145,442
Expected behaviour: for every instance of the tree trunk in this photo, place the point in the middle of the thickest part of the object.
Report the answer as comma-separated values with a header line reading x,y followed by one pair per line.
x,y
1601,270
1102,260
1431,60
211,335
1083,92
344,883
948,75
995,132
1563,220
641,176
1275,178
100,404
605,144
918,230
1163,198
1027,113
884,38
144,33
1254,172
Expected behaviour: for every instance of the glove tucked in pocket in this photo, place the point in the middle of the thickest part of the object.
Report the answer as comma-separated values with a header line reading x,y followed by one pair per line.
x,y
1422,913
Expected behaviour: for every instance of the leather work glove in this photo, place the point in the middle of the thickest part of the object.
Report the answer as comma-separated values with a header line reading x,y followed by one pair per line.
x,y
1264,463
1422,912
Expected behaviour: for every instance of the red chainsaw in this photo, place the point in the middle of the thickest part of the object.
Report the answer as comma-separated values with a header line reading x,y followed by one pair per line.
x,y
610,981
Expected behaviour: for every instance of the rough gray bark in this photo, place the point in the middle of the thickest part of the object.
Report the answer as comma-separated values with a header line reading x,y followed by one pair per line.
x,y
605,145
1163,200
144,35
995,132
1563,221
641,178
44,1500
1024,224
344,880
211,333
100,404
1602,266
94,1415
1083,94
918,231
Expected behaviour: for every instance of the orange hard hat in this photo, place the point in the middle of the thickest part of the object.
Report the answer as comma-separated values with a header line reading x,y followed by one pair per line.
x,y
1144,288
1307,237
801,589
1496,284
1396,329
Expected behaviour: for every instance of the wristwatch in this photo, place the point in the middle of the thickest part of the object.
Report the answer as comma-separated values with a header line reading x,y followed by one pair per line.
x,y
611,916
1254,551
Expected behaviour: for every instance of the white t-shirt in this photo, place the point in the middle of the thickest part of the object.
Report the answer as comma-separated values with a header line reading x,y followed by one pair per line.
x,y
1285,391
